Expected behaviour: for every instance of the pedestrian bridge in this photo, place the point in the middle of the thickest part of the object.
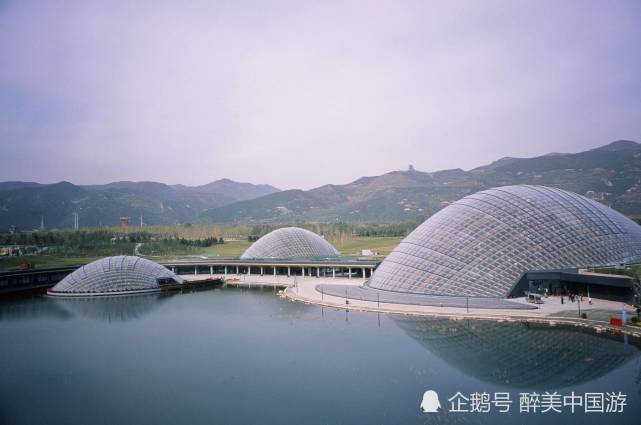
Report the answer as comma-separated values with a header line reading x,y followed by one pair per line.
x,y
282,272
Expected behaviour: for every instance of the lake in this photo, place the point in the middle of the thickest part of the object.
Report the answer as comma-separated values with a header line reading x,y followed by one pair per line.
x,y
230,356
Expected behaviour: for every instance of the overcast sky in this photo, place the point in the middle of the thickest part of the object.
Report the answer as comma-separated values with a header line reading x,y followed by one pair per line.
x,y
303,93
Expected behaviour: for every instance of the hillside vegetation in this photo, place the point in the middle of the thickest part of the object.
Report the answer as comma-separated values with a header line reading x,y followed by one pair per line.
x,y
610,174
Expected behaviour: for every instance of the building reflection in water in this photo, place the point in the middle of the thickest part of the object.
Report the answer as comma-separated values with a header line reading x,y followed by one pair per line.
x,y
521,354
118,308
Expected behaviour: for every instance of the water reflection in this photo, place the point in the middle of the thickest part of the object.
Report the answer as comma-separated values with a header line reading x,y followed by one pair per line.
x,y
118,308
521,355
31,308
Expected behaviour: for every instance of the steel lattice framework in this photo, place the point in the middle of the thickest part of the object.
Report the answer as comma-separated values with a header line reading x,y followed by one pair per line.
x,y
115,274
483,243
290,242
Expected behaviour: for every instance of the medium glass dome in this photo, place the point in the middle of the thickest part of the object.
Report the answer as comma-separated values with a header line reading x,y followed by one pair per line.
x,y
290,242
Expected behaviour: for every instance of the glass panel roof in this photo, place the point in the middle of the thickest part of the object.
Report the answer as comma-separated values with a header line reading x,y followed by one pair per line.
x,y
115,274
482,244
290,242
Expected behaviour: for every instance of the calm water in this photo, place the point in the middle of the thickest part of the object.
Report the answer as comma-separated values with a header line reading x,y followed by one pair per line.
x,y
247,357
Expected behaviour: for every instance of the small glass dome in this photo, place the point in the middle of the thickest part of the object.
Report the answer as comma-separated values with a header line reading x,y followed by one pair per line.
x,y
114,275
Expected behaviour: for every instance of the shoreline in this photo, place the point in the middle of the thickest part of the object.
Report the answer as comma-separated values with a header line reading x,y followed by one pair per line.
x,y
454,313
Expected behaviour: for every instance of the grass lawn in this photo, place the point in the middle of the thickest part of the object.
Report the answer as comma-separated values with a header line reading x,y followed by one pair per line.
x,y
233,249
230,249
43,261
353,246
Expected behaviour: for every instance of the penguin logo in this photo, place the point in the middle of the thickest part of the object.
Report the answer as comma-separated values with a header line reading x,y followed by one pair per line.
x,y
430,402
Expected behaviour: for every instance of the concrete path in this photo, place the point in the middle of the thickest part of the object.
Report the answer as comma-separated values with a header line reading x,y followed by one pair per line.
x,y
552,311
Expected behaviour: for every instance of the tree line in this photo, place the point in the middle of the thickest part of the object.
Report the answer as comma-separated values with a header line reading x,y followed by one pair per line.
x,y
104,242
344,231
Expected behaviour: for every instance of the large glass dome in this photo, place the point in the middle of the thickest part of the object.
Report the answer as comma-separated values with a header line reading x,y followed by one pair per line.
x,y
290,242
482,244
113,275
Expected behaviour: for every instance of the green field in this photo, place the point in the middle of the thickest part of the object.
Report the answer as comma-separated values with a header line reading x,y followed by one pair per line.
x,y
353,246
231,249
43,261
347,246
170,242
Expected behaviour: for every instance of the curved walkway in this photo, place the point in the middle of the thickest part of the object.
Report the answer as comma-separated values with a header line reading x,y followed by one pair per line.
x,y
551,312
369,294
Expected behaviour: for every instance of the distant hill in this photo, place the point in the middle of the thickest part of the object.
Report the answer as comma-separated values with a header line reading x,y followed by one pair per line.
x,y
233,190
22,204
610,174
17,185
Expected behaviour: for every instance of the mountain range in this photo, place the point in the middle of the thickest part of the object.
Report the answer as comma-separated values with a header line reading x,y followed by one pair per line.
x,y
610,174
24,204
